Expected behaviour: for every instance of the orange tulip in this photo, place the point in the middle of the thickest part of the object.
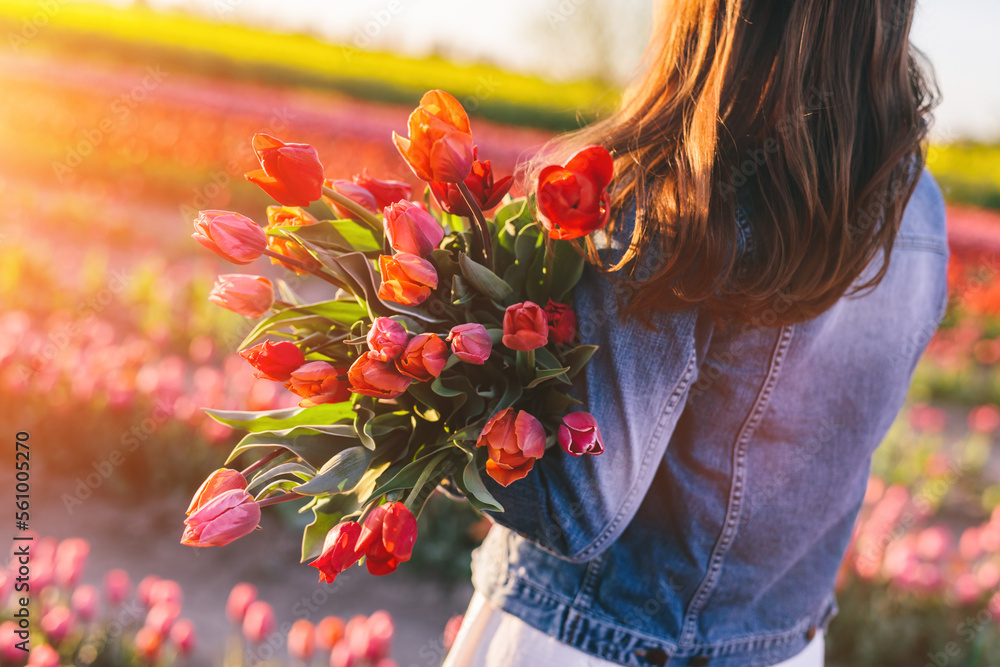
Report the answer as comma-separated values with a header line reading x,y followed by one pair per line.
x,y
316,382
514,439
406,278
289,216
291,173
439,147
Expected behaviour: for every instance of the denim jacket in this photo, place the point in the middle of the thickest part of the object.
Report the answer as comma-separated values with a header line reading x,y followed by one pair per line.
x,y
736,458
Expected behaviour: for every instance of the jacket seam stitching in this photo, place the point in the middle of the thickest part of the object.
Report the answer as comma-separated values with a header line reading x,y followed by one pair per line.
x,y
668,409
735,504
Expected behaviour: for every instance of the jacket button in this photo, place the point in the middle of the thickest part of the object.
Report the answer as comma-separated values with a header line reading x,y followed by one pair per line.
x,y
811,632
655,656
699,661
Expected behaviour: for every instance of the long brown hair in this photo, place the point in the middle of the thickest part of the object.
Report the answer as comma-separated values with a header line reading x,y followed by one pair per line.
x,y
813,113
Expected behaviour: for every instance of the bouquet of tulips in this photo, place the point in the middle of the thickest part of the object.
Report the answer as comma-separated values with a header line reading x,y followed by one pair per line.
x,y
447,347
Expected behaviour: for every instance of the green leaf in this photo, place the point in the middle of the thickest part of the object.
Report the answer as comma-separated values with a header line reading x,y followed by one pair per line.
x,y
577,358
313,448
470,432
567,268
290,468
545,359
548,374
485,281
270,420
476,491
340,474
321,316
408,476
340,235
327,513
362,421
284,485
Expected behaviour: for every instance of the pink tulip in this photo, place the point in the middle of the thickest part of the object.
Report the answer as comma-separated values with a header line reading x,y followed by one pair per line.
x,y
71,559
9,653
934,543
514,441
966,590
451,629
411,229
356,193
244,294
525,327
341,655
471,343
984,419
162,616
167,590
117,587
58,623
407,279
302,641
387,339
220,481
225,518
145,589
84,602
259,622
579,434
380,629
232,236
424,357
43,656
240,598
183,636
385,192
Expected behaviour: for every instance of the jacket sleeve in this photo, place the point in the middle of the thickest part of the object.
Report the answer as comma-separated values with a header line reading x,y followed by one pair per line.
x,y
636,386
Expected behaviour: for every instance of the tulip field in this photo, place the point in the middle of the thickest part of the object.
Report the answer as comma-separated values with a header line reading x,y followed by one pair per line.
x,y
112,341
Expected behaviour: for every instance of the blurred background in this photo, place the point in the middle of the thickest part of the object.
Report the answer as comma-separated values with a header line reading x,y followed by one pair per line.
x,y
120,120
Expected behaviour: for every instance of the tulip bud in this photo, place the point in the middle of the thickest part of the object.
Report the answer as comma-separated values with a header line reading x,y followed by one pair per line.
x,y
440,146
290,173
9,653
259,622
451,629
223,519
355,193
380,379
244,294
562,322
339,551
220,481
240,598
231,236
471,343
183,636
148,644
379,630
57,623
167,590
424,358
513,441
329,631
162,616
387,537
302,641
525,327
145,589
317,383
274,361
579,435
43,655
411,229
406,279
387,339
385,192
70,561
84,602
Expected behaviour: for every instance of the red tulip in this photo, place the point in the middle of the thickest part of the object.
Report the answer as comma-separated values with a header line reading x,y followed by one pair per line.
x,y
231,236
480,183
387,537
302,641
513,441
220,481
572,199
440,144
525,327
289,216
579,435
246,295
340,551
240,598
406,279
371,377
317,382
274,361
223,519
385,192
410,228
562,322
471,343
259,622
424,357
148,644
183,636
356,193
117,586
291,173
387,339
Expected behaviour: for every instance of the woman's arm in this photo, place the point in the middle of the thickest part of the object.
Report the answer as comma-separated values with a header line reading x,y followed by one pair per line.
x,y
636,386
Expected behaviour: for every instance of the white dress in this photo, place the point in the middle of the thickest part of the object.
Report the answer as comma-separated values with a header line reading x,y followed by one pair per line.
x,y
490,637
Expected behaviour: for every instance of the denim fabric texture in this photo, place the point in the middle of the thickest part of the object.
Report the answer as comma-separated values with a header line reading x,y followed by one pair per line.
x,y
736,458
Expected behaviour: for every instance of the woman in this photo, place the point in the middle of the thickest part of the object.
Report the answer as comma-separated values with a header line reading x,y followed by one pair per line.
x,y
767,301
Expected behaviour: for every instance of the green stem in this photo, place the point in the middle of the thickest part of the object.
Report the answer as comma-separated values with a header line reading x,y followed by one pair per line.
x,y
484,229
526,366
366,216
257,465
319,273
280,498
